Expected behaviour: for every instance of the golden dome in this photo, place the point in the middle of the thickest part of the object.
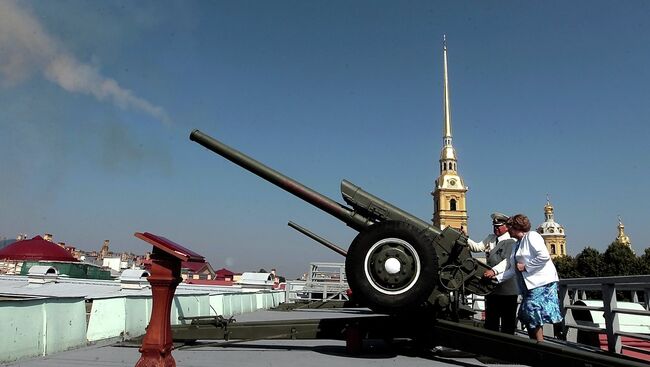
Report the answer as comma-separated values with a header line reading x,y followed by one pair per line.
x,y
548,208
622,238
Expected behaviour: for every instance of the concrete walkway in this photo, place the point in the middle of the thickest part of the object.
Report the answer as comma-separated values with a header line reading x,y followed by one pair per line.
x,y
272,353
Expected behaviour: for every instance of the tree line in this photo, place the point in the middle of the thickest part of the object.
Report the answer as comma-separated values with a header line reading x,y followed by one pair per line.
x,y
617,260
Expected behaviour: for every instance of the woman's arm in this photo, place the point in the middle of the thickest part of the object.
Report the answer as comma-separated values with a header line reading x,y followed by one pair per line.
x,y
539,255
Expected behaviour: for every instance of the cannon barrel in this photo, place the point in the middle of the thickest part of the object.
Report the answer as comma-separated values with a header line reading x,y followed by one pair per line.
x,y
348,216
318,238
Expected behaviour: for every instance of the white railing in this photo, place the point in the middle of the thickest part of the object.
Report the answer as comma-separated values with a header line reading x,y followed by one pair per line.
x,y
325,281
574,290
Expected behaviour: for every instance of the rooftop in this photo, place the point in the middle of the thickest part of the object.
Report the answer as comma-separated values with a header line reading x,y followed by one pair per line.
x,y
17,286
298,353
36,248
303,353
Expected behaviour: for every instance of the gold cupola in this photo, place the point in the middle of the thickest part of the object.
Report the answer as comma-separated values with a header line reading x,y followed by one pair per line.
x,y
622,238
548,210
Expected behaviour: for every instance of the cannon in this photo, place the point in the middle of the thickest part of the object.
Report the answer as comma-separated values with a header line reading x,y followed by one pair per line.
x,y
397,263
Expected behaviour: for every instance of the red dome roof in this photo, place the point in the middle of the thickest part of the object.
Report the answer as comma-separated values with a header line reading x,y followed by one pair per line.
x,y
35,249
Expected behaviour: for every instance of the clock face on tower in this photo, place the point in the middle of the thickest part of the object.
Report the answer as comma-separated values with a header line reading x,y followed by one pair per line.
x,y
452,182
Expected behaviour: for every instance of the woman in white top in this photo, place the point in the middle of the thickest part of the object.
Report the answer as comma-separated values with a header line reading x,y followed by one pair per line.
x,y
532,266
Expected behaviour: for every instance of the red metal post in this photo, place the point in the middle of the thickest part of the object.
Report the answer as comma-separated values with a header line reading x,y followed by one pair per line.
x,y
157,344
353,339
166,260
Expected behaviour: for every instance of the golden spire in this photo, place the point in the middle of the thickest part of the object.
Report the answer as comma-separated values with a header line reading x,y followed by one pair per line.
x,y
446,133
448,154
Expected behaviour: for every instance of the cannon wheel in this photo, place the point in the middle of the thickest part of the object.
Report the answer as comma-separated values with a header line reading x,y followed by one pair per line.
x,y
391,266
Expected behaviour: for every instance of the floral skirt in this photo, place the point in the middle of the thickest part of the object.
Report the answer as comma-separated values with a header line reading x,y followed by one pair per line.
x,y
540,306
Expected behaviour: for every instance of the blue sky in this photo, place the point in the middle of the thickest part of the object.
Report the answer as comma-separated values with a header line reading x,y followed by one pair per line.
x,y
97,100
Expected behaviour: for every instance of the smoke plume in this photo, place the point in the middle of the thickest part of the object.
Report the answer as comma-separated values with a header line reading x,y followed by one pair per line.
x,y
26,49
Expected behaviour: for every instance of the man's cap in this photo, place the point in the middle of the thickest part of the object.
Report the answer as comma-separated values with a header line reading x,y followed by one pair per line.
x,y
498,218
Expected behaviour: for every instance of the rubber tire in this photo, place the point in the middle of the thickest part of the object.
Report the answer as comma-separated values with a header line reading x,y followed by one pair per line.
x,y
365,294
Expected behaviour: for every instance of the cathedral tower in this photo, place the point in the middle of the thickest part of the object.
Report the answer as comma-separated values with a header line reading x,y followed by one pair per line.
x,y
449,208
552,232
104,251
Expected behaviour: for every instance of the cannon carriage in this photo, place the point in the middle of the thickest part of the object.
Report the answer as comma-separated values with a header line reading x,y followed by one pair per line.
x,y
397,263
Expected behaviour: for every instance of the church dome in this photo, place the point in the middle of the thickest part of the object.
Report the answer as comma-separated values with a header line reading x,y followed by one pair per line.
x,y
35,249
550,227
622,238
548,208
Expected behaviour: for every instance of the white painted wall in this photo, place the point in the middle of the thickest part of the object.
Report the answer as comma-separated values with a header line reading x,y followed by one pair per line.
x,y
37,327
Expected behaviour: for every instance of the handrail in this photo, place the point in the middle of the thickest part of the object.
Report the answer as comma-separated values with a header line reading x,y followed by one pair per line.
x,y
635,335
586,308
608,286
635,349
632,312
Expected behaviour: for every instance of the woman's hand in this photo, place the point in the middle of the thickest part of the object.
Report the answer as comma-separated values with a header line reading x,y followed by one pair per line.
x,y
521,267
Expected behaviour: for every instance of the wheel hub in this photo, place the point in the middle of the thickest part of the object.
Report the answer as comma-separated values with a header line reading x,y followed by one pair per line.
x,y
392,266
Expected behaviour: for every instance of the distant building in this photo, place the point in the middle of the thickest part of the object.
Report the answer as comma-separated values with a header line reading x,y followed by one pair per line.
x,y
552,233
257,280
104,252
197,271
22,255
71,269
449,207
225,275
43,248
13,256
114,263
